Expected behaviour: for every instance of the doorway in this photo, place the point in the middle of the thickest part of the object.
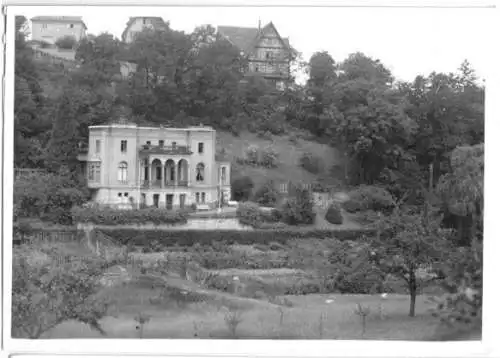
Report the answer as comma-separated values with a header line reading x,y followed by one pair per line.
x,y
156,200
182,200
170,201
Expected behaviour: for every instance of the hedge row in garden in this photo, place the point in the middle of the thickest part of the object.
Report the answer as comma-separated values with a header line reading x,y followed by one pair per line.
x,y
109,216
207,237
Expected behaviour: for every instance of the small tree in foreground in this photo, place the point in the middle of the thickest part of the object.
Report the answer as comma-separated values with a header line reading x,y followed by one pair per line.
x,y
50,287
407,242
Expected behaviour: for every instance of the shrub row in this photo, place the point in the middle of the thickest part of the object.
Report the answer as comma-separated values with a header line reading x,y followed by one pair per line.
x,y
109,216
165,238
250,213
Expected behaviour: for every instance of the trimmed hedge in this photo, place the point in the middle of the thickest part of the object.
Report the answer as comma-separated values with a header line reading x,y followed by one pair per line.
x,y
204,237
109,216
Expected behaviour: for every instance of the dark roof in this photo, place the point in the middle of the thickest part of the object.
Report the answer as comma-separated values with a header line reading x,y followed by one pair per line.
x,y
157,23
241,37
66,19
245,38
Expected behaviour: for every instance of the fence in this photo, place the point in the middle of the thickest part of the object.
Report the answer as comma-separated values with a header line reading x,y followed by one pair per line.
x,y
25,172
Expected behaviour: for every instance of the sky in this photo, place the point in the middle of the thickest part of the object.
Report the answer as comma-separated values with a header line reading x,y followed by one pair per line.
x,y
408,41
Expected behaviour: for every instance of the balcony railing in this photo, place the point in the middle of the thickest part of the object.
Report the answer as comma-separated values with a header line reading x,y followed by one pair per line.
x,y
156,184
165,149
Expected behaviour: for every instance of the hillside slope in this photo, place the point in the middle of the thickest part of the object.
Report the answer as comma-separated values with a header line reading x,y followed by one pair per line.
x,y
289,156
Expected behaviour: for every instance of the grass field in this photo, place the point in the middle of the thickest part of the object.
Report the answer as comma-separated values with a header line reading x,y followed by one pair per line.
x,y
313,316
289,155
260,320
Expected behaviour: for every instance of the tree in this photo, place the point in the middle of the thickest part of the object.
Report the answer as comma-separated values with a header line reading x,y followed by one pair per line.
x,y
406,243
366,120
31,121
49,196
99,57
242,188
51,287
462,190
66,42
267,194
298,209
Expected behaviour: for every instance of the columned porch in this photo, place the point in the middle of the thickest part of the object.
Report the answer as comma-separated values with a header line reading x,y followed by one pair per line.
x,y
163,173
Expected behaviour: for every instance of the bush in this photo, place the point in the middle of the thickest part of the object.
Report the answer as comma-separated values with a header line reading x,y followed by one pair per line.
x,y
109,216
249,213
66,42
367,197
252,155
269,158
267,194
334,215
299,209
242,188
187,238
49,196
311,163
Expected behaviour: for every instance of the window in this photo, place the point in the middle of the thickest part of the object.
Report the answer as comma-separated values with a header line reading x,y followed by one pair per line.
x,y
174,144
125,194
256,68
203,198
124,146
223,175
269,55
98,146
120,195
144,21
200,172
44,26
122,172
197,198
161,142
94,172
200,148
148,142
71,26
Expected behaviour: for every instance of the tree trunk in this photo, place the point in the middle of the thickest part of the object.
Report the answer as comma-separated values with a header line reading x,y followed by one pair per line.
x,y
413,292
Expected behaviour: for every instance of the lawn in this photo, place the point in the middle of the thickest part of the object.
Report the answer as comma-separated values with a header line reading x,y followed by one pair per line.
x,y
204,314
289,156
261,320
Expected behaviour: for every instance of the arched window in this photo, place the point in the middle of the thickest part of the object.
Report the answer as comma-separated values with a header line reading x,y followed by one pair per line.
x,y
200,172
122,172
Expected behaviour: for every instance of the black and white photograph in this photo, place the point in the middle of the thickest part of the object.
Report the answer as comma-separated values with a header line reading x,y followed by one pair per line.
x,y
245,173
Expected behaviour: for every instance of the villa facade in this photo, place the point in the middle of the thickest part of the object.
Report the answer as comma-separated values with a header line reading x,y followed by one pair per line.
x,y
161,167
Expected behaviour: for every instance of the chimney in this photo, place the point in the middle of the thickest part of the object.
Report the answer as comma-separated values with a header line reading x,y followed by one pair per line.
x,y
259,24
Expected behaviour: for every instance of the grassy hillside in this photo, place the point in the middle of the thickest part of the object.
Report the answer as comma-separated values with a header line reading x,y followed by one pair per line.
x,y
289,156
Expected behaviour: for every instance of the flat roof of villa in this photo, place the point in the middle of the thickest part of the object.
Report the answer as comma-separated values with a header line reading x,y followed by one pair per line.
x,y
135,126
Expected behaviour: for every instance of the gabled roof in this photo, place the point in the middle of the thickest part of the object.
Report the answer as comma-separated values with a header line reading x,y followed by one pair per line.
x,y
156,22
241,37
64,19
246,38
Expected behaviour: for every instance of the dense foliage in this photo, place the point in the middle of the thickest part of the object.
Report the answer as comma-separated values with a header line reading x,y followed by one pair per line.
x,y
110,216
51,286
334,214
162,238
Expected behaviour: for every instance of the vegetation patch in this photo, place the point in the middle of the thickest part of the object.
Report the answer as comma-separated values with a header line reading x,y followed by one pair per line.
x,y
108,216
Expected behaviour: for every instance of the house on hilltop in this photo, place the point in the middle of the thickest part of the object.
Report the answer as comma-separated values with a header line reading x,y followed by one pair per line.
x,y
268,54
49,29
137,24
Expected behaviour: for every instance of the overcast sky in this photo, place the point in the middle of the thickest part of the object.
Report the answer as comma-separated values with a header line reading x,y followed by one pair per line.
x,y
408,41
